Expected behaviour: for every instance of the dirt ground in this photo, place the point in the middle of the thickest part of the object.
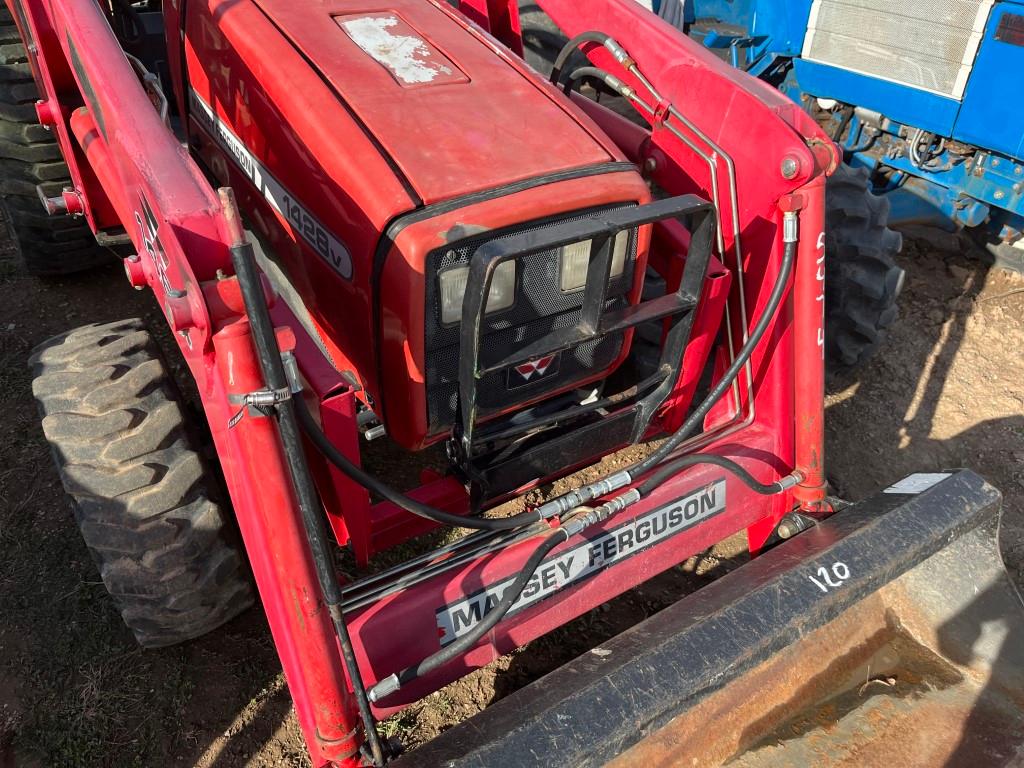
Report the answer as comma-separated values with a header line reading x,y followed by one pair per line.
x,y
75,690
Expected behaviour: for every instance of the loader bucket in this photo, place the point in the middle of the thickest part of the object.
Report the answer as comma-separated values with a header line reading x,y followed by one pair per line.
x,y
890,634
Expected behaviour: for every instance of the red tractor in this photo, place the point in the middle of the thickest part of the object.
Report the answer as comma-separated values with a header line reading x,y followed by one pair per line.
x,y
373,219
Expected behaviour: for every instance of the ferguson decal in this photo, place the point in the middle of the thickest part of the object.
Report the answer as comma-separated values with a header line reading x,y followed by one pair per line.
x,y
304,223
583,560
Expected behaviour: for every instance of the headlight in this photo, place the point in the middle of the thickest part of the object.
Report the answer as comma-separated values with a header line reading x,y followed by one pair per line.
x,y
575,259
453,288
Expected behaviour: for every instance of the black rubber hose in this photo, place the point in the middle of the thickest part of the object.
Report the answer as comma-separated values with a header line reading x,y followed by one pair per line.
x,y
696,418
571,47
584,72
670,468
359,475
274,377
844,121
490,619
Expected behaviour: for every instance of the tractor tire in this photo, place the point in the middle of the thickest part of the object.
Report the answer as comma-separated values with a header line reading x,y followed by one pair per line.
x,y
30,159
862,279
139,489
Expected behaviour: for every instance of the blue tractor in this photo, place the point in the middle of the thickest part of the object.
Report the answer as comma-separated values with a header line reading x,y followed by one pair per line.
x,y
924,97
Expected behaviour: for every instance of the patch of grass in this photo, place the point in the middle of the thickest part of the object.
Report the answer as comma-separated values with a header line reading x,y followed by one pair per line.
x,y
397,726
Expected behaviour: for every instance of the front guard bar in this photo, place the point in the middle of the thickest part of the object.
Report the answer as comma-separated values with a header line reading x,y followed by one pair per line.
x,y
595,320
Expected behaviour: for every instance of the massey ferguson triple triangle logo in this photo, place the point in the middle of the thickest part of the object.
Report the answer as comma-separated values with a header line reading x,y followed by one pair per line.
x,y
532,370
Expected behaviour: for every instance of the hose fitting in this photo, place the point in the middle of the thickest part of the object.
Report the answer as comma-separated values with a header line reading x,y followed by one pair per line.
x,y
383,688
579,497
790,227
619,53
789,481
594,516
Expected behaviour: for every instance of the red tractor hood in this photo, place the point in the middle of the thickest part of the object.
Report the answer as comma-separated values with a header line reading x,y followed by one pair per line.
x,y
454,112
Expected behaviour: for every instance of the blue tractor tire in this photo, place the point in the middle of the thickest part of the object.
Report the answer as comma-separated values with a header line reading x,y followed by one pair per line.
x,y
862,279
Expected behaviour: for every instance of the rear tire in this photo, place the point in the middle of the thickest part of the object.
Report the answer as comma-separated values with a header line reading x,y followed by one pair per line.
x,y
862,279
29,158
112,416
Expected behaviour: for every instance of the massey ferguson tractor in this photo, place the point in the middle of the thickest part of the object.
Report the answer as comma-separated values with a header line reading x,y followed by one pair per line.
x,y
371,219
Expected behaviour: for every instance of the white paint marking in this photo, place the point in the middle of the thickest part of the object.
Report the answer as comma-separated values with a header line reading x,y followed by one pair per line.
x,y
593,555
916,483
828,580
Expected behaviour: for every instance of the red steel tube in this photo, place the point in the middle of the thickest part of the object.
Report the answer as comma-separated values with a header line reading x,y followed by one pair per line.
x,y
278,550
809,348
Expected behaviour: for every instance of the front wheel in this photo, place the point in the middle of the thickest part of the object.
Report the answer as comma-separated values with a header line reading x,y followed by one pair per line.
x,y
140,490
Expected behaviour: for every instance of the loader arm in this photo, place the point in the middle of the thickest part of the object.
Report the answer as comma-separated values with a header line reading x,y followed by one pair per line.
x,y
701,140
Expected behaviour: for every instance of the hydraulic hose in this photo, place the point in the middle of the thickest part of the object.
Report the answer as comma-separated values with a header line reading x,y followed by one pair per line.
x,y
670,468
696,418
625,477
274,376
584,72
575,525
570,47
393,682
844,121
368,481
790,237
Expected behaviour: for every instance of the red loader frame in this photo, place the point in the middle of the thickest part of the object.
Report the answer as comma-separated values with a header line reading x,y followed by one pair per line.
x,y
129,170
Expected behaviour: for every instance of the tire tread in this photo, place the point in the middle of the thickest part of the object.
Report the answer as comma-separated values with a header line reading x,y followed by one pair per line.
x,y
117,430
46,246
862,279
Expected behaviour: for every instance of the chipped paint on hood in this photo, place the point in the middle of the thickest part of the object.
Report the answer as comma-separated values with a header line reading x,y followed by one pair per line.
x,y
410,59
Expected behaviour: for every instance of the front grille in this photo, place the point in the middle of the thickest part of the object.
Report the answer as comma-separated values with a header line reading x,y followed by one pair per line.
x,y
927,44
540,307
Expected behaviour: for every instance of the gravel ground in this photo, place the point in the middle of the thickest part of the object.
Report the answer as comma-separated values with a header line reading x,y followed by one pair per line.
x,y
74,690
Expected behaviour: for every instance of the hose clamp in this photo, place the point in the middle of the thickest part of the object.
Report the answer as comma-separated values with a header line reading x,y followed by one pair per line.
x,y
258,403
